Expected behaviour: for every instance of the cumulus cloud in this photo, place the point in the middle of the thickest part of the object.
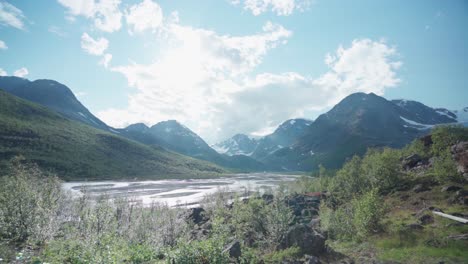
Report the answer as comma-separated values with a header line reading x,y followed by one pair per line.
x,y
3,72
208,82
3,45
11,16
94,46
146,15
280,7
22,72
105,14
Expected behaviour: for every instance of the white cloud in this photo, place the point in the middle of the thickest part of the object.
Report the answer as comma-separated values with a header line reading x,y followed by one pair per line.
x,y
206,80
280,7
11,16
57,31
3,72
3,45
144,16
94,46
106,60
105,14
22,72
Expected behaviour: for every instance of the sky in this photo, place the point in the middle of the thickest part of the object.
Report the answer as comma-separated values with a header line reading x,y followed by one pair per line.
x,y
223,67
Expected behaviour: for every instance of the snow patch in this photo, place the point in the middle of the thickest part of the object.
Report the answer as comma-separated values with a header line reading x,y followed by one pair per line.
x,y
292,122
416,125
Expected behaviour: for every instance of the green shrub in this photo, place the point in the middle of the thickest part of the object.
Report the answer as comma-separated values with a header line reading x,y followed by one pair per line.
x,y
444,137
444,167
30,204
283,255
198,252
382,168
367,212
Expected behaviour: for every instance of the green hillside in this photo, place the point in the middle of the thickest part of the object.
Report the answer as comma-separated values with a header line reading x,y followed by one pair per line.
x,y
77,151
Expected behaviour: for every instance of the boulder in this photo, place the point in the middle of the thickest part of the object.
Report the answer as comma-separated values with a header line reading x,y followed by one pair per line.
x,y
307,239
411,161
311,260
233,249
461,197
451,188
197,215
460,154
458,237
426,219
420,188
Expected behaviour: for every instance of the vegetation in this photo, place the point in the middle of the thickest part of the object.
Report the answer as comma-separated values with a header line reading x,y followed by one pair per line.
x,y
369,210
77,151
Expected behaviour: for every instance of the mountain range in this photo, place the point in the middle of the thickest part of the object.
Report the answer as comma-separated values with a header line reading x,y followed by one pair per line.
x,y
356,123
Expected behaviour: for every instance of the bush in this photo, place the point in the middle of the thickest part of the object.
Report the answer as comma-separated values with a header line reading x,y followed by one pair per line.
x,y
445,169
444,137
30,204
368,210
199,252
382,169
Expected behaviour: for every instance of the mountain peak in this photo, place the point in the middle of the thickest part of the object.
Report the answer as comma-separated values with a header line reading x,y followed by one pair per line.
x,y
137,127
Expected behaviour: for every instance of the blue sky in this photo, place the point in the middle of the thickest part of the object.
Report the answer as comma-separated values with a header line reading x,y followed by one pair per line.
x,y
222,67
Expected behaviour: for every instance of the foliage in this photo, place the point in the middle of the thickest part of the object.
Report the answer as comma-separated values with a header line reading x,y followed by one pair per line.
x,y
368,210
208,251
76,151
446,136
282,255
29,204
382,168
445,169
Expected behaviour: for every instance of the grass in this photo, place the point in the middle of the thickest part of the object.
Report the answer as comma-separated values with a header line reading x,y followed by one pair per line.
x,y
76,151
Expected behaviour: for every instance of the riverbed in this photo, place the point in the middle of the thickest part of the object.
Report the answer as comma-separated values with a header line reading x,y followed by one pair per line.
x,y
187,192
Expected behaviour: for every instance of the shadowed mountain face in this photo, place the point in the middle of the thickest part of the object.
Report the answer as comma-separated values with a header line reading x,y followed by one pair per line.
x,y
77,151
358,122
53,95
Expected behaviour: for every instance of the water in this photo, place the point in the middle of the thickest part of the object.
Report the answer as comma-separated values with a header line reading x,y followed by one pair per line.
x,y
179,192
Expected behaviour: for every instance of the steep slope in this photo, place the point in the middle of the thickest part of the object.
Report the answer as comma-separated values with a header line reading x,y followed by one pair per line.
x,y
239,144
77,151
359,121
53,95
176,137
284,136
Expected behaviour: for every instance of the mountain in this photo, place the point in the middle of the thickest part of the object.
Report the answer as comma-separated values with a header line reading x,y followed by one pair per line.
x,y
176,137
358,122
239,144
284,136
77,151
53,95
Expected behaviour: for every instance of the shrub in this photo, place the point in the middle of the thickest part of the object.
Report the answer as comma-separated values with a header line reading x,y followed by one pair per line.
x,y
382,169
199,252
30,204
445,169
367,212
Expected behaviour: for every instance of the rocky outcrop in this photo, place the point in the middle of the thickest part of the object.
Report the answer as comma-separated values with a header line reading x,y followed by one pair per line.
x,y
233,249
308,240
460,154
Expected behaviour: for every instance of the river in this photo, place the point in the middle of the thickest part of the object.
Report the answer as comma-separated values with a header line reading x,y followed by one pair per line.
x,y
187,192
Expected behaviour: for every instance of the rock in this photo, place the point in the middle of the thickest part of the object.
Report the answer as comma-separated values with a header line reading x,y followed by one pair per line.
x,y
415,227
460,154
426,140
426,219
307,239
268,198
314,223
234,249
311,260
420,188
411,161
197,215
451,188
461,197
458,237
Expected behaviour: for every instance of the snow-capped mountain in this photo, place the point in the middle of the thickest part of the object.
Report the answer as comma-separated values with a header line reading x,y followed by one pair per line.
x,y
239,144
462,116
